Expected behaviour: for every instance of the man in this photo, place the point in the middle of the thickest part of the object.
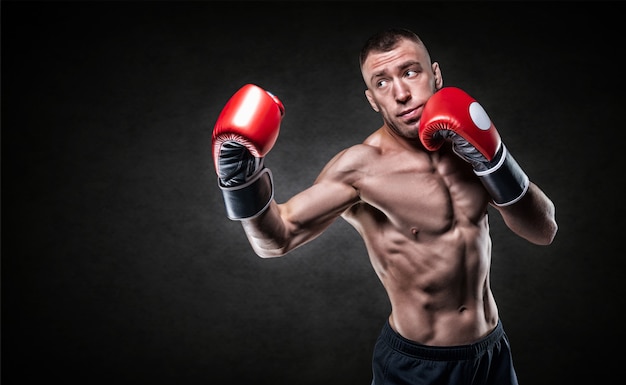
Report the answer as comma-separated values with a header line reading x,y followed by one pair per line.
x,y
417,190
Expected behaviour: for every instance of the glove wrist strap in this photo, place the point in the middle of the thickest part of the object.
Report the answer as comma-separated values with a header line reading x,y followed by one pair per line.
x,y
505,181
250,199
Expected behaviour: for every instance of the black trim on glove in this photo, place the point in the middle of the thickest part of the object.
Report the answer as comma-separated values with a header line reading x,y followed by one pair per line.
x,y
250,199
503,178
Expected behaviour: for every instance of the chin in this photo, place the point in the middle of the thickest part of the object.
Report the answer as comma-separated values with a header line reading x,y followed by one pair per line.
x,y
412,130
410,134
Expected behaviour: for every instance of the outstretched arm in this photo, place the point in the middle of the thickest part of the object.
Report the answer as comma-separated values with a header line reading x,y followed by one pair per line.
x,y
283,227
244,133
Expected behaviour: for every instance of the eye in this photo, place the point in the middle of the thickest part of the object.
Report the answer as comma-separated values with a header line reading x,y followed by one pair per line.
x,y
381,83
411,73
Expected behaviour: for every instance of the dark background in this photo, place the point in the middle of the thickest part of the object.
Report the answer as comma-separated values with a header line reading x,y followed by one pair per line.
x,y
118,262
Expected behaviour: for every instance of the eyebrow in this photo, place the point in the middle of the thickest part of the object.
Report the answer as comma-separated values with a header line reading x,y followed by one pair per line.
x,y
402,66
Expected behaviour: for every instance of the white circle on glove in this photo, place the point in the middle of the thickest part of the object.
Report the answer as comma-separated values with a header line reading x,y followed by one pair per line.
x,y
479,116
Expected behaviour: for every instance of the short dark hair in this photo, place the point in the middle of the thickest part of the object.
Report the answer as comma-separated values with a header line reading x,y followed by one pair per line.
x,y
385,41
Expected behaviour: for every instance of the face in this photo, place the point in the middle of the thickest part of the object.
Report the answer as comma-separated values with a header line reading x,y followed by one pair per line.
x,y
399,83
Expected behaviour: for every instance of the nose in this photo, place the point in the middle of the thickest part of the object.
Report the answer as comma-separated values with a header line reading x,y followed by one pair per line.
x,y
401,92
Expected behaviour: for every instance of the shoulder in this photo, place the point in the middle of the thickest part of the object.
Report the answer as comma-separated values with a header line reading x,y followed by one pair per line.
x,y
354,158
362,154
350,164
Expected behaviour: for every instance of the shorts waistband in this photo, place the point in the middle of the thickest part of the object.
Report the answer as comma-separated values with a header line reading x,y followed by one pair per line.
x,y
441,353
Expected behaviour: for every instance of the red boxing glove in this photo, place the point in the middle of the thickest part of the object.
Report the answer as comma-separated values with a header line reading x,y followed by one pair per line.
x,y
251,117
245,131
454,115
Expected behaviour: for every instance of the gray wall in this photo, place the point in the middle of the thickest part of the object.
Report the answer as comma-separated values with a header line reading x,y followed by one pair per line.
x,y
118,261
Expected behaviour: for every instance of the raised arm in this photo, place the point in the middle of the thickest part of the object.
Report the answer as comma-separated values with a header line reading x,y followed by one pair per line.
x,y
451,114
532,217
244,133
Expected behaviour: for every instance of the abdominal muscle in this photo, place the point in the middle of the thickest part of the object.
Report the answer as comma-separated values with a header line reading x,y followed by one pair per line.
x,y
423,217
438,288
433,260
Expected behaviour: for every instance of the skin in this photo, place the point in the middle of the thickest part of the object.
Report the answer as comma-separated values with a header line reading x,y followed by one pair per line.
x,y
422,214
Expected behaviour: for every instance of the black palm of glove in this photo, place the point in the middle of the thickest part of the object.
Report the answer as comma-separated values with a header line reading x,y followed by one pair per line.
x,y
468,152
236,165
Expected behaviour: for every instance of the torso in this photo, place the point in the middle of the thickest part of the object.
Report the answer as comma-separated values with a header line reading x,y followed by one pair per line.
x,y
423,217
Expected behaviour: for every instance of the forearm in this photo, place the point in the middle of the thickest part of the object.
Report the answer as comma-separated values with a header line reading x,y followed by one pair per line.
x,y
532,217
283,227
267,233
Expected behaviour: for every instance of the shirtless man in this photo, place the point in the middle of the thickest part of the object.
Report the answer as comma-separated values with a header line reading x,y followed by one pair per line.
x,y
417,190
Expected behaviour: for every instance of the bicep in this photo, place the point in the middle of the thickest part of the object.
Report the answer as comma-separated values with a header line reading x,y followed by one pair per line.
x,y
310,212
284,227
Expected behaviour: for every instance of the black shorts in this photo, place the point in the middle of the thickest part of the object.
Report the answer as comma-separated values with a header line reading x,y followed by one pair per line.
x,y
399,361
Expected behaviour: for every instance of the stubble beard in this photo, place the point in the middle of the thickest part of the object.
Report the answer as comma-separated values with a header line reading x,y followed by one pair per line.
x,y
407,131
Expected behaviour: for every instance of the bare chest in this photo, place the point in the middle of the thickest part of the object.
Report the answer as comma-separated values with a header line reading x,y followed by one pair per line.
x,y
427,194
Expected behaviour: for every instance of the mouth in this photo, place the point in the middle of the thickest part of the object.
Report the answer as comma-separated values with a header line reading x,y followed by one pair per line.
x,y
410,114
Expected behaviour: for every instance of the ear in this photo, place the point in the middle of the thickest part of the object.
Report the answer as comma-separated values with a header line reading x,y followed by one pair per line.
x,y
438,76
370,99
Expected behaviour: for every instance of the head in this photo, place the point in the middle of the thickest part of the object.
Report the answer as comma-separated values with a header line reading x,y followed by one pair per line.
x,y
400,78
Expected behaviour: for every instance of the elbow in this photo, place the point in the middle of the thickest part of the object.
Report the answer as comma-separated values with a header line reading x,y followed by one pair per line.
x,y
554,228
548,227
547,235
551,227
266,255
269,253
